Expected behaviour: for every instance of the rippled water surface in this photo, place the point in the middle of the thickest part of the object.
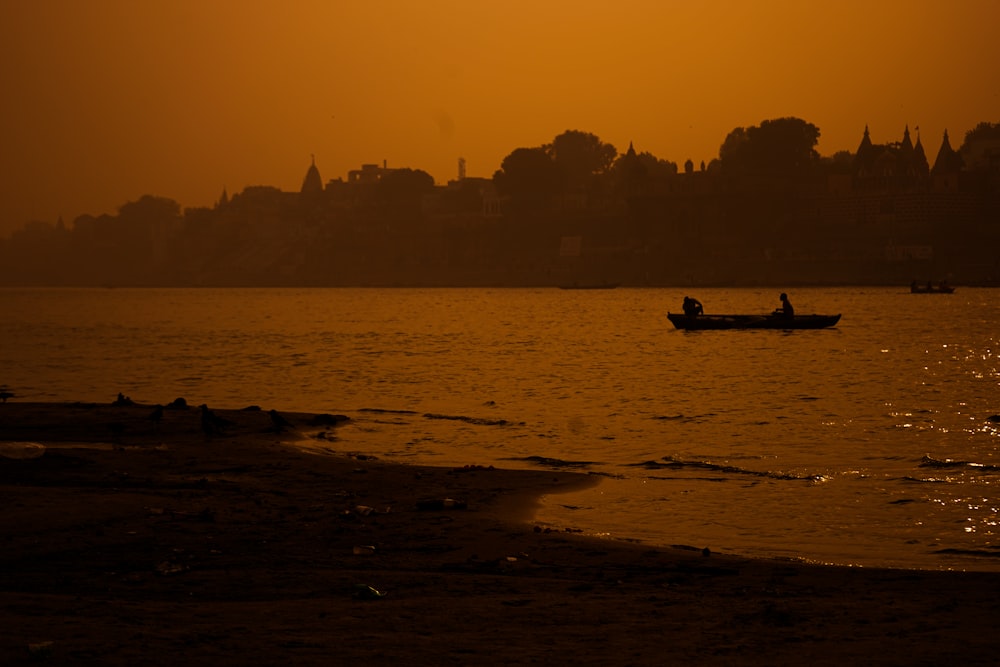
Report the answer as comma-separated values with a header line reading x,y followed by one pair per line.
x,y
873,443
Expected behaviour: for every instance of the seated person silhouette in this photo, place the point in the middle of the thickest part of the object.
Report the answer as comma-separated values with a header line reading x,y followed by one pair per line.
x,y
786,309
692,307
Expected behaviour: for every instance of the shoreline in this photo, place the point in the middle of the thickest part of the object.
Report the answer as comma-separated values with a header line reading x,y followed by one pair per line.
x,y
156,541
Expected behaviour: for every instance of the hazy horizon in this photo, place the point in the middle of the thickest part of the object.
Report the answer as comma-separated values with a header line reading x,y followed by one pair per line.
x,y
108,101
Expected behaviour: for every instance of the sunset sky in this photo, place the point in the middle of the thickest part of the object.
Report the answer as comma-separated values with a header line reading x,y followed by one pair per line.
x,y
107,100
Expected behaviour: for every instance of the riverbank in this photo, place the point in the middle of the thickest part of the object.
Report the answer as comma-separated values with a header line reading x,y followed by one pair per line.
x,y
132,539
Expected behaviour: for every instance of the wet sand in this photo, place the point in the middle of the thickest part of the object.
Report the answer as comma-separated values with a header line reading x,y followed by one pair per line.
x,y
128,540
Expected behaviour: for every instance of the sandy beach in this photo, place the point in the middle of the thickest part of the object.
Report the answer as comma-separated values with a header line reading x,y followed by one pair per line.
x,y
131,538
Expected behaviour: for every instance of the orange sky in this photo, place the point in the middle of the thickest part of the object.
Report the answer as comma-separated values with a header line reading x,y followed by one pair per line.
x,y
107,100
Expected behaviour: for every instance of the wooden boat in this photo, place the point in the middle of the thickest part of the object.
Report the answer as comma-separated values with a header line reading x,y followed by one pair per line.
x,y
772,321
589,286
931,289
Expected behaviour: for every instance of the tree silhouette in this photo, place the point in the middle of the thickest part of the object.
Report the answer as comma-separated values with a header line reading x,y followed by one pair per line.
x,y
982,132
528,176
981,148
403,189
150,209
783,148
579,156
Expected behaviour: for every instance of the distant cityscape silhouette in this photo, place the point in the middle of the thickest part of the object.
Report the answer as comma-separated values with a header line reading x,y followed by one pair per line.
x,y
575,212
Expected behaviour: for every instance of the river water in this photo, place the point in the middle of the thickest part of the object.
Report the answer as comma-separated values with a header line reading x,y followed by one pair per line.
x,y
872,443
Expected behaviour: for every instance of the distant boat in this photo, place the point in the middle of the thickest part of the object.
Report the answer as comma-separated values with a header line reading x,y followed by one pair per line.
x,y
589,286
930,289
772,321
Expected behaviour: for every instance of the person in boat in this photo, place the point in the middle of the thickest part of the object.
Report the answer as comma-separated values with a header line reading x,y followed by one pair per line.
x,y
692,307
786,309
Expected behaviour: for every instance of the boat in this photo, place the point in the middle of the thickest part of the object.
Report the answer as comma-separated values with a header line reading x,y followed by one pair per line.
x,y
771,321
931,289
589,286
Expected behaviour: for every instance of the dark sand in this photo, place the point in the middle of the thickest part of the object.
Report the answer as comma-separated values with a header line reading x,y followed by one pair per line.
x,y
165,546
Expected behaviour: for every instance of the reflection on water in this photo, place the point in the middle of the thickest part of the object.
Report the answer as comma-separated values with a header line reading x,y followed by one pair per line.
x,y
816,444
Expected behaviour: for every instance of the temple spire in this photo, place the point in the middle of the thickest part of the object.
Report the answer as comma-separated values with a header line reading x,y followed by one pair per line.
x,y
865,155
947,159
312,183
